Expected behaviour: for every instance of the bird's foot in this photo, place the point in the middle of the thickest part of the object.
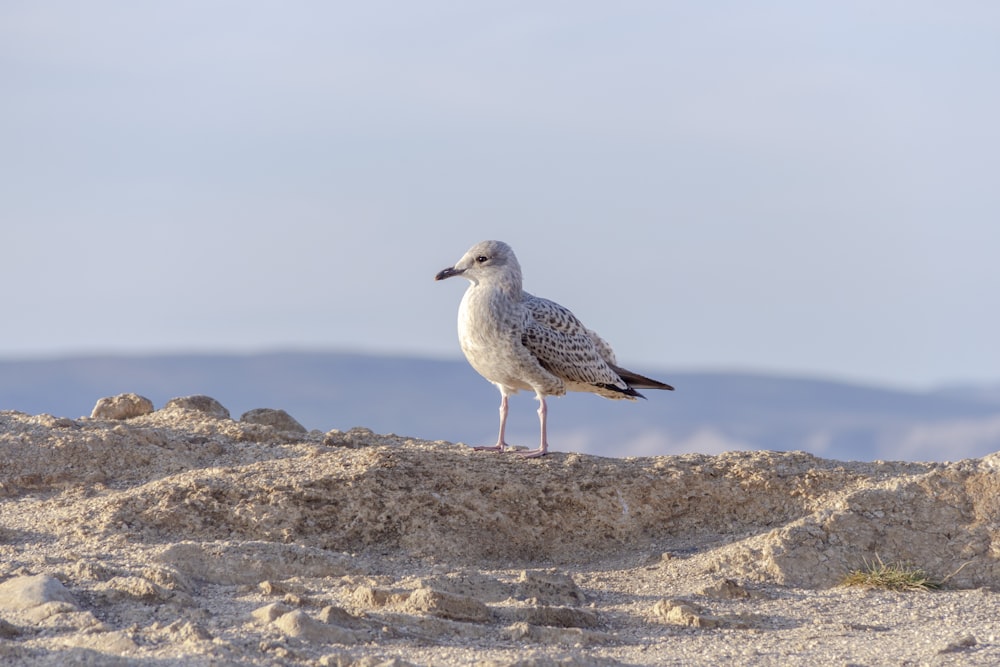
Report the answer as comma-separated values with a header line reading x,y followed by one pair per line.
x,y
501,447
532,453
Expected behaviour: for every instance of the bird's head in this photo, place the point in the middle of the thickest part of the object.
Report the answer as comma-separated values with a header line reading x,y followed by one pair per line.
x,y
486,261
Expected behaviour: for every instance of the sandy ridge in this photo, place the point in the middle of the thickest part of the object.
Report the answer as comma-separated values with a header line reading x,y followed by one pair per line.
x,y
181,536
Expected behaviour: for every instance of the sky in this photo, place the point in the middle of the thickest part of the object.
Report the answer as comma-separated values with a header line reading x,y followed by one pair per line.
x,y
786,187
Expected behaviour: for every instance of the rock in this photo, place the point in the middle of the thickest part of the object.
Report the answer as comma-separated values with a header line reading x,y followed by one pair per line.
x,y
356,437
132,588
345,659
25,592
474,584
270,612
960,644
525,632
8,630
198,403
57,422
278,419
88,569
676,612
339,616
268,587
726,589
548,588
448,605
299,624
116,642
373,597
62,614
167,578
187,632
122,406
571,660
65,610
563,617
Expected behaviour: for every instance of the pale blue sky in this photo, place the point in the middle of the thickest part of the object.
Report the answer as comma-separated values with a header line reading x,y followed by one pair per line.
x,y
807,188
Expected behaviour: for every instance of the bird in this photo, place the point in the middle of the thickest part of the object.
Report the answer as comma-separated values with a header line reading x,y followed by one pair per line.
x,y
518,341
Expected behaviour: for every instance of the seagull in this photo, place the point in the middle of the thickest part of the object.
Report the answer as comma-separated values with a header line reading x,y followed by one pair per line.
x,y
522,342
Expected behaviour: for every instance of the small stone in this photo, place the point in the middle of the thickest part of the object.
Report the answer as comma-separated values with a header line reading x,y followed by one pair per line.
x,y
548,588
525,632
960,644
337,438
167,578
345,659
188,632
84,569
133,588
198,403
675,612
278,419
726,589
108,643
56,422
270,588
122,406
299,624
340,616
293,599
562,617
46,610
448,605
356,438
26,592
269,613
369,596
8,630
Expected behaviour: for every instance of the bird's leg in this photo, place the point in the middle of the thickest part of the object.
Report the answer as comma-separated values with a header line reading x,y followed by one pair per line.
x,y
501,446
543,447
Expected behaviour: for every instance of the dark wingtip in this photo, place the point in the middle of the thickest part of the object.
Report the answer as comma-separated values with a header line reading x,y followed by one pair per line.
x,y
628,391
635,380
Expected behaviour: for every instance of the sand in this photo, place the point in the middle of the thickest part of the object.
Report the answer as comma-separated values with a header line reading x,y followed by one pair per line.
x,y
183,537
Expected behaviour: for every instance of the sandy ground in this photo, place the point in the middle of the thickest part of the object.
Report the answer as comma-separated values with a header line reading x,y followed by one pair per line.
x,y
183,537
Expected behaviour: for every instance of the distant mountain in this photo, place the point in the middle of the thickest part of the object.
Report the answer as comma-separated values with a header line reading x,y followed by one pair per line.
x,y
447,400
983,393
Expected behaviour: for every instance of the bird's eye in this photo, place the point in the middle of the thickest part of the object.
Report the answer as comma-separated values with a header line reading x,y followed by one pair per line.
x,y
482,258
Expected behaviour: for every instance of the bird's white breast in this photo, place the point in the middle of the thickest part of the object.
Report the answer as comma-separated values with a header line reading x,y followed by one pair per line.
x,y
489,332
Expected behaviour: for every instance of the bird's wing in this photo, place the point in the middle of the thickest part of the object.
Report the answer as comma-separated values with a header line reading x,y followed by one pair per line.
x,y
603,348
566,348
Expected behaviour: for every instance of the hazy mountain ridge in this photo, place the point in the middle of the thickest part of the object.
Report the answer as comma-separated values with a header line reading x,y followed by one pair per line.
x,y
444,399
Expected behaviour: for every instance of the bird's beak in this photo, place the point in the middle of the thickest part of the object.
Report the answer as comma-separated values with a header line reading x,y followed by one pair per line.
x,y
448,273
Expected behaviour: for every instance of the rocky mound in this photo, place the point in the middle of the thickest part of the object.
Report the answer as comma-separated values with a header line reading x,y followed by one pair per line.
x,y
182,534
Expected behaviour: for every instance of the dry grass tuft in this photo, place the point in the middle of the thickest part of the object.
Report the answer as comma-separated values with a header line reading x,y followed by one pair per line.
x,y
894,577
